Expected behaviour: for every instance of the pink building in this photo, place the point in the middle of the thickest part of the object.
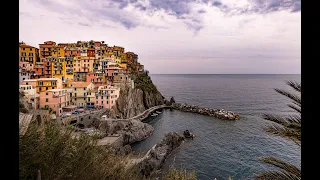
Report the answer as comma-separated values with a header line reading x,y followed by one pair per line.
x,y
32,82
72,52
111,71
55,99
96,78
106,96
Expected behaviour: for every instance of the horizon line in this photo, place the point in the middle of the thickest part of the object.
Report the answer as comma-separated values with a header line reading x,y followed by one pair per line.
x,y
217,74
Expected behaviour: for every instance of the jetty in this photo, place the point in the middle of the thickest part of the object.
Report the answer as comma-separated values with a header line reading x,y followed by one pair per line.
x,y
144,114
218,113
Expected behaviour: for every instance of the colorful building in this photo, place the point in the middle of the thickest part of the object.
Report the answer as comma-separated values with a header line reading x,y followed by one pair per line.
x,y
31,95
97,78
24,75
58,51
83,93
55,99
106,96
44,84
38,70
46,49
32,82
72,51
47,64
28,54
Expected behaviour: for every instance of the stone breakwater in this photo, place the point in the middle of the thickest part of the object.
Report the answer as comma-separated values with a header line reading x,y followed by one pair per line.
x,y
218,113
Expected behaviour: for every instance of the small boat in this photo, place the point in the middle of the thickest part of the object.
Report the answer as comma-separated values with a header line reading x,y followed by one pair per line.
x,y
158,112
154,114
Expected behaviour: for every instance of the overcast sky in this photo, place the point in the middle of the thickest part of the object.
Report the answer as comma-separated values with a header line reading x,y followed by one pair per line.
x,y
177,36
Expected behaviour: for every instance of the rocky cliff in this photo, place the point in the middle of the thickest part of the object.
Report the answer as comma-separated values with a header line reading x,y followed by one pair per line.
x,y
160,152
130,130
132,102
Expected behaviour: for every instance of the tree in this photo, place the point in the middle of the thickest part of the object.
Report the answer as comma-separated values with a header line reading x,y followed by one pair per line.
x,y
288,127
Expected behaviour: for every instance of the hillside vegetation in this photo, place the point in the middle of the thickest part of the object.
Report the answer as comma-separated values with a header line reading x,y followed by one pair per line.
x,y
52,152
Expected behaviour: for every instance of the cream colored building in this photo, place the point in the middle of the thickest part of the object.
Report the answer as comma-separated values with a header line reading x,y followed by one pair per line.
x,y
82,93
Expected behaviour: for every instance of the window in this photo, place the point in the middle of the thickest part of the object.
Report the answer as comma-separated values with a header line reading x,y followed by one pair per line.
x,y
75,89
23,48
112,101
52,87
88,99
96,102
96,97
84,99
47,100
101,102
40,83
47,93
75,99
23,79
84,88
75,94
46,88
26,83
53,83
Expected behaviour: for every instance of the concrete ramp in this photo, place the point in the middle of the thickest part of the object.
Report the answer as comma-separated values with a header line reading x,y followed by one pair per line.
x,y
24,121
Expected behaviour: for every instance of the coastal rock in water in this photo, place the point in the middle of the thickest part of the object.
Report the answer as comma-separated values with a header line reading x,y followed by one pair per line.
x,y
159,153
172,100
218,113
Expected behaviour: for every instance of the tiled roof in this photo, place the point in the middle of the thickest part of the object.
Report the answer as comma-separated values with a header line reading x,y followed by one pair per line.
x,y
26,46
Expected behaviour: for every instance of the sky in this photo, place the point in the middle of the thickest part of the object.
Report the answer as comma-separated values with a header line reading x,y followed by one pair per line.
x,y
177,36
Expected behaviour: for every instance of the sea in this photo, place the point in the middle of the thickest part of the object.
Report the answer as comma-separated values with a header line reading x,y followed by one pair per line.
x,y
221,148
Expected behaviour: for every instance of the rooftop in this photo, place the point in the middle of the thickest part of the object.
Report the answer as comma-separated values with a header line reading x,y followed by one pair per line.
x,y
80,84
55,90
26,46
30,80
48,79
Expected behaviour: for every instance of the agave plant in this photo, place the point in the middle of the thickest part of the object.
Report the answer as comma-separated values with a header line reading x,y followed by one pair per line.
x,y
288,127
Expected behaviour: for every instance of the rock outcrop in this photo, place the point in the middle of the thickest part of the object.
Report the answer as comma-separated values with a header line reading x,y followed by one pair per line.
x,y
218,113
132,102
157,155
130,130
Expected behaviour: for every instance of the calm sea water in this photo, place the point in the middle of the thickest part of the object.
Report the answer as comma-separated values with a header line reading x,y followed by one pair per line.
x,y
223,148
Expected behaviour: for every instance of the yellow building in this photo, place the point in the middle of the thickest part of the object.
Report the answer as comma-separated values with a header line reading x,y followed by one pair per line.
x,y
82,93
28,54
83,64
58,51
44,84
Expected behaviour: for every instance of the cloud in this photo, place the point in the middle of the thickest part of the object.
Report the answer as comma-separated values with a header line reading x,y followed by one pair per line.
x,y
130,13
83,24
215,33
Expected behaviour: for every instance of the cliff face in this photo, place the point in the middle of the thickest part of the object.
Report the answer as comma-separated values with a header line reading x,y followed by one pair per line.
x,y
131,130
132,102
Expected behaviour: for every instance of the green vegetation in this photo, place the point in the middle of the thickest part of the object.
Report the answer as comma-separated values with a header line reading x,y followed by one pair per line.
x,y
174,174
54,152
143,81
287,127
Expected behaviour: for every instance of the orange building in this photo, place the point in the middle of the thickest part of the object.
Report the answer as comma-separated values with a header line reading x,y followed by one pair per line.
x,y
46,49
28,54
91,52
97,43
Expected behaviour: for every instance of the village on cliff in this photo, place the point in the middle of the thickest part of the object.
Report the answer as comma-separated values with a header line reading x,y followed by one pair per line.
x,y
63,77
